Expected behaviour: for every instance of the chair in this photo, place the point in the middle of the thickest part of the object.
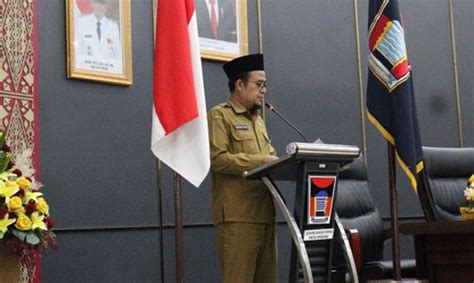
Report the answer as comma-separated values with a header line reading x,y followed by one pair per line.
x,y
444,180
357,211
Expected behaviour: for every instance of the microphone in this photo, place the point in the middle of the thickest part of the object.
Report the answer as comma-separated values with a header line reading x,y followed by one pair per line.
x,y
271,108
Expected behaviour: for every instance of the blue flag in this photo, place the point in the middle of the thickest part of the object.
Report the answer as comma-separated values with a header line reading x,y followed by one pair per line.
x,y
390,97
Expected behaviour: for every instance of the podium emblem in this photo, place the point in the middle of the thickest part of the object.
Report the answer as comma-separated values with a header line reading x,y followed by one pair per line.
x,y
320,198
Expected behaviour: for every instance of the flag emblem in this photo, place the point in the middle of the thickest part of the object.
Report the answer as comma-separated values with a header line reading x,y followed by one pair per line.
x,y
388,56
390,97
320,198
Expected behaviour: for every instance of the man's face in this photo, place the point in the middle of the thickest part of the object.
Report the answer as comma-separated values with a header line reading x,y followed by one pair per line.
x,y
100,8
252,92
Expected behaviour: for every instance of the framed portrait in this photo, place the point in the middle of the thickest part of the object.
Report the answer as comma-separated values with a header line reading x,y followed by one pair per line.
x,y
99,40
222,28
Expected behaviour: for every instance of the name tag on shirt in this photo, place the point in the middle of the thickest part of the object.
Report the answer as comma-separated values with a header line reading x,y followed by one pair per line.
x,y
241,127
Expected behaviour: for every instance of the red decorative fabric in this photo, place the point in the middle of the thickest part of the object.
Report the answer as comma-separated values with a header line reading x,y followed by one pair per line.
x,y
18,79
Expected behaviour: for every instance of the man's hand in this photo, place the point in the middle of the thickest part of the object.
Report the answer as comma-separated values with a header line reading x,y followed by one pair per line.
x,y
268,158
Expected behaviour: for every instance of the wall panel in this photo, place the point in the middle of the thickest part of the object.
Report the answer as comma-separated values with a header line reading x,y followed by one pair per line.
x,y
103,256
463,22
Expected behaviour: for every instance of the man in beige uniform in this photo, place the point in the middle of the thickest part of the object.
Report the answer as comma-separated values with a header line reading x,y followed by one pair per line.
x,y
243,210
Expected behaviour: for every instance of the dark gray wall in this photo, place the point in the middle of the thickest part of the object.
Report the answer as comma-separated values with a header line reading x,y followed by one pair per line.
x,y
463,20
100,176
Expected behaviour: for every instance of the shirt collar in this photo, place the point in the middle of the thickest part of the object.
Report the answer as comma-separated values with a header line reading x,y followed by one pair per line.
x,y
238,108
101,20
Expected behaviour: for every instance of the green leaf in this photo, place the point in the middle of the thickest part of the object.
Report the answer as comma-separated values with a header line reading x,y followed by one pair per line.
x,y
19,234
29,237
32,238
4,164
2,138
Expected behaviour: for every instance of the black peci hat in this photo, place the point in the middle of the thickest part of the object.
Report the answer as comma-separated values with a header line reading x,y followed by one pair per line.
x,y
244,64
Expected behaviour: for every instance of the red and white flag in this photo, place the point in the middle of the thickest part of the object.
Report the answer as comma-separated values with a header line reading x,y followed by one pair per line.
x,y
179,131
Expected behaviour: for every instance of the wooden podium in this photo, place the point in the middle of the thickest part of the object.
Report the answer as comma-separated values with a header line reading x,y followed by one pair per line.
x,y
444,250
315,168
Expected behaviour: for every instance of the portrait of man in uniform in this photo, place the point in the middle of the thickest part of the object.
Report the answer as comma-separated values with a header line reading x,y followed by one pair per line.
x,y
98,44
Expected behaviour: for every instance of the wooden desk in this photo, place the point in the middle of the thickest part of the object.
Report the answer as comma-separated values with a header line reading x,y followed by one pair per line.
x,y
444,250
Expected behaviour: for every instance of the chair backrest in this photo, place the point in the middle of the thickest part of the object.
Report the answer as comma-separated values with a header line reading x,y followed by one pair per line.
x,y
356,210
443,181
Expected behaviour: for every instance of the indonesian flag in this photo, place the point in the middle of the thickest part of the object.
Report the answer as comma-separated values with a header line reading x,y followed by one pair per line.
x,y
179,131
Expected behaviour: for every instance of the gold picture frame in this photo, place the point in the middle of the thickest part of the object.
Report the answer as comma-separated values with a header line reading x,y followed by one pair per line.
x,y
99,50
228,37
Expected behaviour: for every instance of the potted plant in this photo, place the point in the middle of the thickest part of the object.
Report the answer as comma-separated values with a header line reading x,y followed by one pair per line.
x,y
467,212
25,225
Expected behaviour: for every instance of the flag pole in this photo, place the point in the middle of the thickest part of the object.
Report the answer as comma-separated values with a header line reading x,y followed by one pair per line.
x,y
177,55
158,181
178,230
394,212
160,217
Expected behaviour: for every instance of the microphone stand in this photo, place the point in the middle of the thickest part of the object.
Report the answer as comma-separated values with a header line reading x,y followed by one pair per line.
x,y
272,109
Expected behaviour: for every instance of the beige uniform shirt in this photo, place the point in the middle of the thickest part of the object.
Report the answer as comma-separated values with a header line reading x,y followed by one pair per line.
x,y
237,140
